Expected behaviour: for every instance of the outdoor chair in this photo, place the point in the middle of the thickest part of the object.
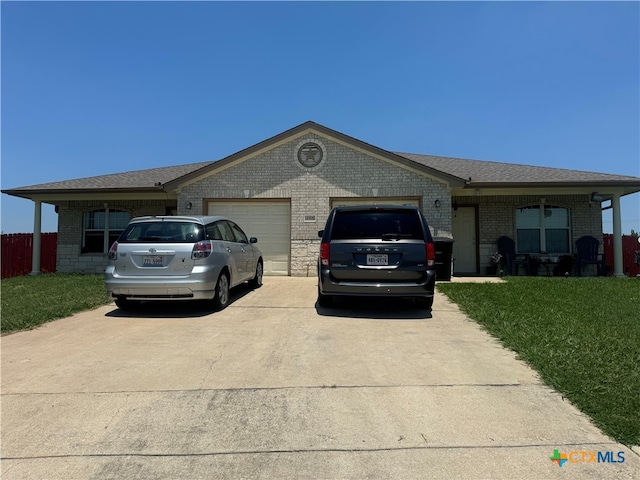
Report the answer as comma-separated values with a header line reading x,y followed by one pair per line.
x,y
587,254
512,260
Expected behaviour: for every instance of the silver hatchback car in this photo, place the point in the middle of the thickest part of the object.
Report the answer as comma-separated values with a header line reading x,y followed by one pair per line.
x,y
181,258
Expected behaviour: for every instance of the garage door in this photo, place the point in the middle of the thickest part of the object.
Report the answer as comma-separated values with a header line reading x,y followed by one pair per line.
x,y
269,222
346,202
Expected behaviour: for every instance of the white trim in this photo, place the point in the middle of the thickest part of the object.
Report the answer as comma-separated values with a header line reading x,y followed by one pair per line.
x,y
348,201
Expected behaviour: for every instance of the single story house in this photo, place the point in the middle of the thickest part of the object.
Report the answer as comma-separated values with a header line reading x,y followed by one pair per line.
x,y
281,190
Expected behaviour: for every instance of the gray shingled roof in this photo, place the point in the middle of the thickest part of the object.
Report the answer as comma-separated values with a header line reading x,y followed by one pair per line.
x,y
480,172
486,172
135,180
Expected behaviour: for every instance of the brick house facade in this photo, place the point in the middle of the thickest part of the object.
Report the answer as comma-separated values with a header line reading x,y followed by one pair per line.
x,y
344,169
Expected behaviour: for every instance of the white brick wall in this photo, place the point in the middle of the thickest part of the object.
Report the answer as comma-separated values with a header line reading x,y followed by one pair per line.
x,y
344,172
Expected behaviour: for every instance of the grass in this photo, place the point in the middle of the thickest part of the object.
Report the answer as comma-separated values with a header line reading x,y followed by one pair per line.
x,y
581,334
30,301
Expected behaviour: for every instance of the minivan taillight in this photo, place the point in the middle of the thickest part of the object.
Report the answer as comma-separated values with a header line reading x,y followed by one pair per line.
x,y
431,254
201,250
324,254
113,251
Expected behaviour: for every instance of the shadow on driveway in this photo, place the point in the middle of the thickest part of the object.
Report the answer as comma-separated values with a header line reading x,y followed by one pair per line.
x,y
177,308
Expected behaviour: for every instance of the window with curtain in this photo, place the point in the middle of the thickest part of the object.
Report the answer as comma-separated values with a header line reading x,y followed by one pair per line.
x,y
94,229
542,229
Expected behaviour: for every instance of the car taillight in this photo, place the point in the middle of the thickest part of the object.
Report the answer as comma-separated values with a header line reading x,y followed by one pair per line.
x,y
324,254
113,251
431,254
201,250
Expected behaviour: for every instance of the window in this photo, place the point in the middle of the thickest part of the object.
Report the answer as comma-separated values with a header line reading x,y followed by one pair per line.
x,y
162,232
385,223
213,232
238,233
94,228
542,229
226,232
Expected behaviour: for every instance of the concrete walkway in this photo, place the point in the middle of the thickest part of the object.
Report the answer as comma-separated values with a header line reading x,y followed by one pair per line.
x,y
273,387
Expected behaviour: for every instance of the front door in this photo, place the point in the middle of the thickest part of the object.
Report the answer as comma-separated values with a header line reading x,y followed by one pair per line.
x,y
465,246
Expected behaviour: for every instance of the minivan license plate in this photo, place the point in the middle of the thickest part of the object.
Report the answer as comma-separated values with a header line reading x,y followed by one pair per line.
x,y
153,261
377,259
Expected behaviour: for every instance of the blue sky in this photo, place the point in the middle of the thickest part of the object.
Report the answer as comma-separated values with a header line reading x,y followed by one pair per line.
x,y
95,88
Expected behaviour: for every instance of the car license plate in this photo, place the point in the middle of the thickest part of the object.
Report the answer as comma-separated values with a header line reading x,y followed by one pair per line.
x,y
153,261
377,259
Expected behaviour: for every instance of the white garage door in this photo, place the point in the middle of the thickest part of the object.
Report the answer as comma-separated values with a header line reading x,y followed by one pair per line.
x,y
346,202
269,222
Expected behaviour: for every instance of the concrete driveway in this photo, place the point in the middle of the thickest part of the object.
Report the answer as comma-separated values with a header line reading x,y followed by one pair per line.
x,y
272,387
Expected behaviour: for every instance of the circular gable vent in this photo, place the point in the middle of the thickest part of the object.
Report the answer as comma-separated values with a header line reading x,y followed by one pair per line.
x,y
310,154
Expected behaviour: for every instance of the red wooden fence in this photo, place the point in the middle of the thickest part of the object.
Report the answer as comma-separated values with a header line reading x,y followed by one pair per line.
x,y
17,253
629,246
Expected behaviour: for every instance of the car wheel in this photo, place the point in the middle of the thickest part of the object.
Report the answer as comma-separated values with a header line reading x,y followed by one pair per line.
x,y
425,302
256,282
124,304
324,300
221,297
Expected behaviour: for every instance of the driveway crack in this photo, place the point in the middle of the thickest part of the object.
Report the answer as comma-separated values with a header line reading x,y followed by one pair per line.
x,y
209,370
113,417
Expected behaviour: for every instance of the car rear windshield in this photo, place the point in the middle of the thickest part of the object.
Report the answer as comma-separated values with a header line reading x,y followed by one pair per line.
x,y
383,224
162,232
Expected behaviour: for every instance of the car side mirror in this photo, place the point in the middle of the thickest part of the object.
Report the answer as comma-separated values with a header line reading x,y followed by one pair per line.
x,y
320,233
253,240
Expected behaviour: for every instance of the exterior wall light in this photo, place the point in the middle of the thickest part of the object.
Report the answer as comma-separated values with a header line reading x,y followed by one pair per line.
x,y
596,197
437,203
188,206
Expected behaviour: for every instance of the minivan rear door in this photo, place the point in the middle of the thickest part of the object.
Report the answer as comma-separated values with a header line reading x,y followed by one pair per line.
x,y
377,245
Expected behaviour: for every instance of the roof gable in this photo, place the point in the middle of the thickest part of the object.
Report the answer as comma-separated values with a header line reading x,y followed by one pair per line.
x,y
301,130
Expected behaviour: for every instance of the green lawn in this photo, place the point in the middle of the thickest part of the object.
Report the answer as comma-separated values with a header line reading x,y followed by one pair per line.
x,y
581,334
30,301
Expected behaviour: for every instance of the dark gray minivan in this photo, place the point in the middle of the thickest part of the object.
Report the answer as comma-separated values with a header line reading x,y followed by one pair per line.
x,y
376,251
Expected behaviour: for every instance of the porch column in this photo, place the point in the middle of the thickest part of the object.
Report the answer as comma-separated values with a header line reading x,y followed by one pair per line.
x,y
37,234
105,240
617,236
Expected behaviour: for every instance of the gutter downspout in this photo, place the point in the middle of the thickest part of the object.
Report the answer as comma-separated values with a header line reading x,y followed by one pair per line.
x,y
37,235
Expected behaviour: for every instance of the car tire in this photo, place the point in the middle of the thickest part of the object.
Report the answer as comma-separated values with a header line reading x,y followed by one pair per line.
x,y
125,304
256,282
221,297
324,300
